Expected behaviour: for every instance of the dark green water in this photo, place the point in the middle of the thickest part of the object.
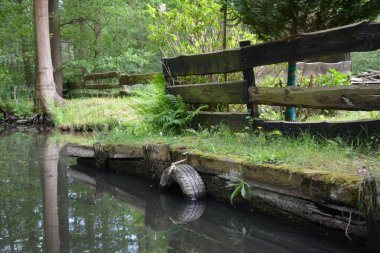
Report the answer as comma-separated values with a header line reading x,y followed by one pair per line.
x,y
49,205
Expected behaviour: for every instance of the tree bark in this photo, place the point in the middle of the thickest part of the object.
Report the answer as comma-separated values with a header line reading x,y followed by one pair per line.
x,y
45,87
55,41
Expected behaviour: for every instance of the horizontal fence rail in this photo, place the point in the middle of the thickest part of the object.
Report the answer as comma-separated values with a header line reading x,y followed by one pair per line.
x,y
363,36
229,93
366,97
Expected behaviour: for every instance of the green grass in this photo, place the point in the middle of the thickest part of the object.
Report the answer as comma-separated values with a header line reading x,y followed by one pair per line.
x,y
303,153
95,113
363,61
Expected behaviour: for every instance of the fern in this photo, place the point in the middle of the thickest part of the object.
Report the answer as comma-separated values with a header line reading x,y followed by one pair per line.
x,y
164,112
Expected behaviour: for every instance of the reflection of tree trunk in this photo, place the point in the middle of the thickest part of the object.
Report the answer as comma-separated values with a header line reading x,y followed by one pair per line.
x,y
50,208
63,204
55,41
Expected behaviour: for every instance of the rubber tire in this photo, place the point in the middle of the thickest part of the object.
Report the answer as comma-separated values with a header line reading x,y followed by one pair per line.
x,y
182,211
187,178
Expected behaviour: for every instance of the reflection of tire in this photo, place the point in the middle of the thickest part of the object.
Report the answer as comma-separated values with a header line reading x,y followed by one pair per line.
x,y
187,178
180,210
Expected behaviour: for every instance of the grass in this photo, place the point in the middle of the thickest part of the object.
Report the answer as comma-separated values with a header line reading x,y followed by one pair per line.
x,y
364,61
95,113
297,154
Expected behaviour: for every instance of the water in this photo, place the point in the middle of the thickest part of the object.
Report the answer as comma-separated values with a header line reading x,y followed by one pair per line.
x,y
48,204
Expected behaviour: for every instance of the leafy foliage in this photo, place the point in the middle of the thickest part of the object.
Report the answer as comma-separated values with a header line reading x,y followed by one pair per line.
x,y
241,188
276,19
164,112
188,27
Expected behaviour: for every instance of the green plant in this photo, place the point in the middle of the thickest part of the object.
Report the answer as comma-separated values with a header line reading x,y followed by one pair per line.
x,y
334,78
241,188
163,112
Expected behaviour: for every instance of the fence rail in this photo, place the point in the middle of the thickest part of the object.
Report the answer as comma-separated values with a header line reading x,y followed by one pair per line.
x,y
363,36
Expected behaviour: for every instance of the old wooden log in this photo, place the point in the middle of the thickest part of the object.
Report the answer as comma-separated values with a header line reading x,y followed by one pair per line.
x,y
358,37
326,129
363,36
105,75
157,158
337,97
229,92
137,79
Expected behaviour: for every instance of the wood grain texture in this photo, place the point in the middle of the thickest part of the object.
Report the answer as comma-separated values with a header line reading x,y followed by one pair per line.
x,y
325,129
137,79
105,75
229,93
226,61
363,36
358,37
363,97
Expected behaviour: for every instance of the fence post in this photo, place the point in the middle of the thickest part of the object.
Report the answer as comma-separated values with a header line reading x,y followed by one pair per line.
x,y
290,112
249,77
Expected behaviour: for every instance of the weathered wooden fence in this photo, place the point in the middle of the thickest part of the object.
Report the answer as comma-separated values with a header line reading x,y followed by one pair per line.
x,y
108,81
363,36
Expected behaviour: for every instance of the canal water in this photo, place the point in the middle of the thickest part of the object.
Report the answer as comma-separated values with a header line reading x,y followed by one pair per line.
x,y
50,204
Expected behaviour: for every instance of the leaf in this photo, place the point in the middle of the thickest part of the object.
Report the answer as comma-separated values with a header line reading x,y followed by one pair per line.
x,y
244,191
235,193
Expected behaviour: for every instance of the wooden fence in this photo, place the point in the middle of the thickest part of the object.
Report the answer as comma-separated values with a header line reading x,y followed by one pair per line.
x,y
110,81
363,36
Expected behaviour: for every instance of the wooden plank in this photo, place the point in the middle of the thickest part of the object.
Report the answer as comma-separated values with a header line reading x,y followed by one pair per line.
x,y
226,61
326,129
137,79
234,120
363,97
101,86
228,93
363,36
105,75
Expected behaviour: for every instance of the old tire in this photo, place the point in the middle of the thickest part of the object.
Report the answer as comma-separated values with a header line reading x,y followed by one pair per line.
x,y
187,178
180,210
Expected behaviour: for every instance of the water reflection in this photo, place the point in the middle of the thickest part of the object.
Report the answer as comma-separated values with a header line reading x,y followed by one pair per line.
x,y
47,207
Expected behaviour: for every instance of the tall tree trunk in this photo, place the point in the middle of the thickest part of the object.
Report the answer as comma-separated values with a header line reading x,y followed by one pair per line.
x,y
55,41
45,86
26,58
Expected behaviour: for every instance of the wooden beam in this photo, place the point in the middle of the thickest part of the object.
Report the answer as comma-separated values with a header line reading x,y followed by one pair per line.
x,y
363,36
96,76
137,79
101,86
234,120
325,129
226,61
363,97
228,93
358,37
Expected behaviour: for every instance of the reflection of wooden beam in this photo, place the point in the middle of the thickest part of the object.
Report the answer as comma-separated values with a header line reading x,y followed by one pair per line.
x,y
336,97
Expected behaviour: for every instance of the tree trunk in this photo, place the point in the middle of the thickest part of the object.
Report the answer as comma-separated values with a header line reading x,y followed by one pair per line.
x,y
45,86
55,40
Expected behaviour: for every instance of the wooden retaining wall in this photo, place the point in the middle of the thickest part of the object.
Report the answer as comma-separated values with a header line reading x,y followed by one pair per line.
x,y
324,198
